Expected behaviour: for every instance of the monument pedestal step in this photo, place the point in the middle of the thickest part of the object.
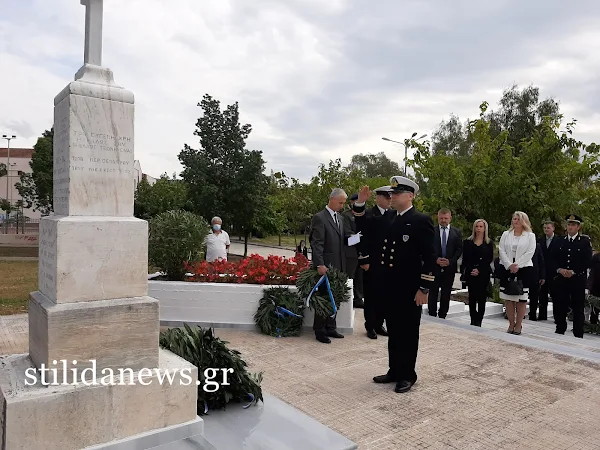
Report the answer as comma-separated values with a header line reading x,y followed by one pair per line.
x,y
95,413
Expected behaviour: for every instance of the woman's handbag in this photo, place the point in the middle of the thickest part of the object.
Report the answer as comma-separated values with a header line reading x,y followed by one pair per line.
x,y
512,286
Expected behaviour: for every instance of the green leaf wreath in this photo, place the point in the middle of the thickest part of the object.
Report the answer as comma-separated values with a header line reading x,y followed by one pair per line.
x,y
593,302
277,312
320,301
206,351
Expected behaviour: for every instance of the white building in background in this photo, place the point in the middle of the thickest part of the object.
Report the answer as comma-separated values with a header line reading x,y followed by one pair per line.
x,y
138,175
19,163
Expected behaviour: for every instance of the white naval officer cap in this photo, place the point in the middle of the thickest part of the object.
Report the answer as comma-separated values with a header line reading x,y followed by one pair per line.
x,y
402,184
383,190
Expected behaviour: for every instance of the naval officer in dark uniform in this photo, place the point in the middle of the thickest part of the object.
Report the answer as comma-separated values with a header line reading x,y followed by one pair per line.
x,y
375,278
407,259
571,257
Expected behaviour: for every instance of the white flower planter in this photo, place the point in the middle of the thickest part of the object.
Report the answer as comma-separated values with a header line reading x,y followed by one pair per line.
x,y
224,305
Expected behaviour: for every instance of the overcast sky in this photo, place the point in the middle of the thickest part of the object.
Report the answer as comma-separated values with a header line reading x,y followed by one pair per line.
x,y
317,79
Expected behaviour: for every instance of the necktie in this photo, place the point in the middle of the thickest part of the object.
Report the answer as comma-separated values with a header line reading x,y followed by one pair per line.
x,y
335,219
444,239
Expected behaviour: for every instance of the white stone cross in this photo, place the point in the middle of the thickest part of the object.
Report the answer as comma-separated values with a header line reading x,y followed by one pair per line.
x,y
93,31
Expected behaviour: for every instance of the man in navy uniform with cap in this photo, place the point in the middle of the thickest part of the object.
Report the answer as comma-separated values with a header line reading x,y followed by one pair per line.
x,y
406,257
374,279
353,270
571,258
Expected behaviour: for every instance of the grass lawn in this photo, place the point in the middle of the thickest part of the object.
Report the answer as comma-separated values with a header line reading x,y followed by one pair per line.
x,y
19,251
17,280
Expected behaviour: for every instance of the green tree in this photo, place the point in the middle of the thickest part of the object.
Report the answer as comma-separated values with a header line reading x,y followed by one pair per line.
x,y
547,177
374,165
36,188
164,195
225,178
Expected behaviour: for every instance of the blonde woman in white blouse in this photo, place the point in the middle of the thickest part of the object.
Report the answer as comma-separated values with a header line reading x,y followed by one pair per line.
x,y
516,249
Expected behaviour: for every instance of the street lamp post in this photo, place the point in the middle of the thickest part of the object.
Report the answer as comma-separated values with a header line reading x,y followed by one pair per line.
x,y
8,139
405,147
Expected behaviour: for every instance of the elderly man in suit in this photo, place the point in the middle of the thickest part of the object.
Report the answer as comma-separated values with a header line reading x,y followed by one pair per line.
x,y
448,249
328,236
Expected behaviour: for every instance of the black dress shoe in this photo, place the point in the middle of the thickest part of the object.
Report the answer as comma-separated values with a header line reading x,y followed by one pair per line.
x,y
381,331
403,386
542,318
371,334
335,334
323,339
381,379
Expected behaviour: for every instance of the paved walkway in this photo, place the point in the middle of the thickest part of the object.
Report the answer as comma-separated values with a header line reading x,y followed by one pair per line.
x,y
476,389
237,248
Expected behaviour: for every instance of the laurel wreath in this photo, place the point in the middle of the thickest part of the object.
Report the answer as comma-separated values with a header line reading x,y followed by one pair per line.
x,y
272,318
320,301
593,302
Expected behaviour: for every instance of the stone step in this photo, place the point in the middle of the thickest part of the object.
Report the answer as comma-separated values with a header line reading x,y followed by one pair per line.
x,y
272,425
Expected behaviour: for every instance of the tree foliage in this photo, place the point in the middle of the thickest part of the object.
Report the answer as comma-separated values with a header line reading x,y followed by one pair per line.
x,y
164,195
543,171
36,188
224,177
373,166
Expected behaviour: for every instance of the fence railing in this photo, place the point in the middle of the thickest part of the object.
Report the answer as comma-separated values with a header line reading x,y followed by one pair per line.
x,y
12,226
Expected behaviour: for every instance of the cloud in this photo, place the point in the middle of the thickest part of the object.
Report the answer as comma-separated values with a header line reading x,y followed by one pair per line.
x,y
317,80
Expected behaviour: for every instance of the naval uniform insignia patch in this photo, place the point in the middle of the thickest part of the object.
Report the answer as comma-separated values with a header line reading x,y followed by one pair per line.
x,y
405,238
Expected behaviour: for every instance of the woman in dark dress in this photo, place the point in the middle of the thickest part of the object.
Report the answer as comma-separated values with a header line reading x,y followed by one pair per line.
x,y
478,254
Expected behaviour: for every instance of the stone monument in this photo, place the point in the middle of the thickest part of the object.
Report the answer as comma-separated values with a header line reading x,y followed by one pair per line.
x,y
91,315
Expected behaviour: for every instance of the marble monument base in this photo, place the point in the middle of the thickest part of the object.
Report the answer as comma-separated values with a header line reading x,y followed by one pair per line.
x,y
55,417
89,258
115,334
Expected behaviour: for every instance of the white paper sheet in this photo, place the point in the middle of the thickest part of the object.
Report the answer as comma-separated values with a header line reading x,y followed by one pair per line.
x,y
354,239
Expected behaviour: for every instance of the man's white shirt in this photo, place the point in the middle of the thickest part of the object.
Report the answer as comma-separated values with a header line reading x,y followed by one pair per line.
x,y
216,246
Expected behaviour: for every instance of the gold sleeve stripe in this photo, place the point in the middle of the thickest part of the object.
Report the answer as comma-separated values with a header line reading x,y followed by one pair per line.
x,y
428,277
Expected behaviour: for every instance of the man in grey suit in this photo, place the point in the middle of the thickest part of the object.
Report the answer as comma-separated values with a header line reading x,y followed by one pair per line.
x,y
328,236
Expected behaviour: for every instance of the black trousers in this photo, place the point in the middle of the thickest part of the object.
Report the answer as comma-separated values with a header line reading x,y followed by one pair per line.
x,y
546,290
443,282
534,294
374,314
570,293
403,319
477,287
354,271
321,325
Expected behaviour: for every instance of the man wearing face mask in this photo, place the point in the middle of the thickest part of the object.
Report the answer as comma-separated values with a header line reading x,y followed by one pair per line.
x,y
217,243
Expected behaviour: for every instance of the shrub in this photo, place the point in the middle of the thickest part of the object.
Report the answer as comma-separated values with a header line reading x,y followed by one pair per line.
x,y
277,312
206,351
274,270
175,238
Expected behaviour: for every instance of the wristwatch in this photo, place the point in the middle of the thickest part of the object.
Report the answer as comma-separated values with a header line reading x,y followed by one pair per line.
x,y
424,291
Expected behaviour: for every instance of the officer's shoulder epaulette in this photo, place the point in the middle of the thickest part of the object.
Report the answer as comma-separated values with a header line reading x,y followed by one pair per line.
x,y
585,236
